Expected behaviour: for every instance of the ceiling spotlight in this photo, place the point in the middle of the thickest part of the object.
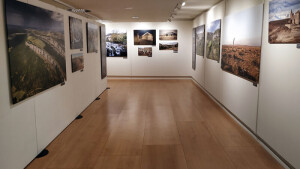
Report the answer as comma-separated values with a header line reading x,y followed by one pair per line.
x,y
183,4
135,17
129,8
79,10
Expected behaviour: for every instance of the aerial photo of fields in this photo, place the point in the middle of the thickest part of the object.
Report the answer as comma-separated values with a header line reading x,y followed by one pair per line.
x,y
36,49
116,43
213,40
284,21
92,36
241,49
200,40
77,62
144,37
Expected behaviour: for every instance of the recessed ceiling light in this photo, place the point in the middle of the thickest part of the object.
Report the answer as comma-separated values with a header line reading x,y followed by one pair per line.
x,y
129,8
183,4
135,17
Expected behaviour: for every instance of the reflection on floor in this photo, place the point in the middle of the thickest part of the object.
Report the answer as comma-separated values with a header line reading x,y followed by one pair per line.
x,y
154,124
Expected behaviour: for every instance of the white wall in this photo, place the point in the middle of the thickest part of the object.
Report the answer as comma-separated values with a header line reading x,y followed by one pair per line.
x,y
28,127
279,97
162,63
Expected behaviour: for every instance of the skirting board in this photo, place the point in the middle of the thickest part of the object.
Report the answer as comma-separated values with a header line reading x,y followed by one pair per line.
x,y
149,77
264,144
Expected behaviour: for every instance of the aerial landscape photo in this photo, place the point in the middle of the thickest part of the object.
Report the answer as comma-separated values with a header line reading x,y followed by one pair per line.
x,y
116,43
92,36
241,48
76,35
200,40
213,40
144,37
36,49
284,21
145,51
77,61
168,34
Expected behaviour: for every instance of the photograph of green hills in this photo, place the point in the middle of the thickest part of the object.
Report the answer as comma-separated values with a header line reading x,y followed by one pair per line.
x,y
213,40
36,49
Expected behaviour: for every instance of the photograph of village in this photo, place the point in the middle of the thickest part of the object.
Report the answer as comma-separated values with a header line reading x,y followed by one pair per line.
x,y
241,49
145,51
200,40
77,61
144,37
284,21
168,46
116,43
213,40
168,34
92,38
76,35
36,49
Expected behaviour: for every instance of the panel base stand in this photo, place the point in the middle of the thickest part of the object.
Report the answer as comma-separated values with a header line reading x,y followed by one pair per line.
x,y
108,88
98,98
43,153
79,117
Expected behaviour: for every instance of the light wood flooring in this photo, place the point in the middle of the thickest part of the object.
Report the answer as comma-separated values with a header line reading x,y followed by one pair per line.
x,y
154,124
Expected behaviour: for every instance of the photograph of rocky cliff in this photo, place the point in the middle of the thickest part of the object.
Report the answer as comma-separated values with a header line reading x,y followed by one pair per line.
x,y
241,48
92,38
200,40
213,40
76,35
284,21
36,49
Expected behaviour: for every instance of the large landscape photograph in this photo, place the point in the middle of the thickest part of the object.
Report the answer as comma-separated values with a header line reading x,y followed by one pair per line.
x,y
92,38
213,40
36,49
168,34
76,35
200,40
116,43
241,48
284,21
144,37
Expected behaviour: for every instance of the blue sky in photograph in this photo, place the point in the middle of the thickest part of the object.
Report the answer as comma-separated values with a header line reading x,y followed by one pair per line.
x,y
280,9
213,26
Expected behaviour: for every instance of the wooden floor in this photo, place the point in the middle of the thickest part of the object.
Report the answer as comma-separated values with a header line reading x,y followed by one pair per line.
x,y
154,124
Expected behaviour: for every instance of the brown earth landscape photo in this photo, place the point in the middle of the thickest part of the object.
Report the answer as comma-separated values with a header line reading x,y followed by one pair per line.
x,y
77,62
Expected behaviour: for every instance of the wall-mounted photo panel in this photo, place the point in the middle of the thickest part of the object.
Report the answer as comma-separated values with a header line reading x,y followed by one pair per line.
x,y
36,49
241,48
168,46
168,34
213,40
116,43
200,40
284,21
103,52
144,37
194,49
145,51
76,34
77,62
92,38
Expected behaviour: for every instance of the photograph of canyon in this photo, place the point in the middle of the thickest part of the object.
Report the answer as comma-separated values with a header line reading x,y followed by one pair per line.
x,y
284,21
77,62
213,40
241,48
200,40
36,49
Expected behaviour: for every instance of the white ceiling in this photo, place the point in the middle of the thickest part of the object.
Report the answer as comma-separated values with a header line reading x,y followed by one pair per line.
x,y
146,10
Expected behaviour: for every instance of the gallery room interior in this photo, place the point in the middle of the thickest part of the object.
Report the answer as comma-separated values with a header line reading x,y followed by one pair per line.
x,y
160,84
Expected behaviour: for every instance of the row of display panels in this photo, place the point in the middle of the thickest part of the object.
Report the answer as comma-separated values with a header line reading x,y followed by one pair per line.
x,y
36,48
116,41
241,43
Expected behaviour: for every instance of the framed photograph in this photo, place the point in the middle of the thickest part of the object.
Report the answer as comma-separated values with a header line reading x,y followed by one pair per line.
x,y
116,43
168,34
213,40
145,51
241,48
103,52
92,38
77,62
168,46
144,37
200,40
194,49
36,49
76,35
284,21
